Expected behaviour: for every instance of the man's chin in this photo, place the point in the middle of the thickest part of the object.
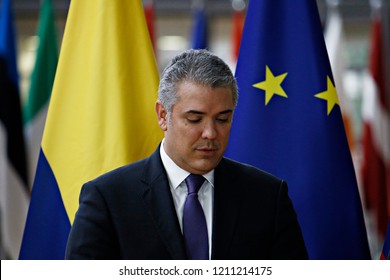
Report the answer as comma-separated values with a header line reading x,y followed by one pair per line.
x,y
205,165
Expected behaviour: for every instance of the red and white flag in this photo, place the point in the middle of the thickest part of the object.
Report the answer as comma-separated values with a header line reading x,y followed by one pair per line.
x,y
375,138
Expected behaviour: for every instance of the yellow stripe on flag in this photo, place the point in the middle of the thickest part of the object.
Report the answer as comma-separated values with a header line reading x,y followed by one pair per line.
x,y
101,114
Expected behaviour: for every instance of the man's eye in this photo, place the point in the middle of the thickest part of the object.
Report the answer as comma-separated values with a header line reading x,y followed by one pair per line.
x,y
194,120
222,120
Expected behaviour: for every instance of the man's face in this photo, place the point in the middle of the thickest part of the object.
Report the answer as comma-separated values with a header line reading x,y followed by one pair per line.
x,y
197,133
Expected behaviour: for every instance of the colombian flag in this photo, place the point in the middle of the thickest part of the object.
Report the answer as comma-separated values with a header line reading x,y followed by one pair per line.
x,y
101,115
288,122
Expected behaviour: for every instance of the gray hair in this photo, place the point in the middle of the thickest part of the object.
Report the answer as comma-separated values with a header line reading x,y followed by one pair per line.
x,y
198,66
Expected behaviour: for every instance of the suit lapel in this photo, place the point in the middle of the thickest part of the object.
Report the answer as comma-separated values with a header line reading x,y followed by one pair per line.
x,y
227,203
158,198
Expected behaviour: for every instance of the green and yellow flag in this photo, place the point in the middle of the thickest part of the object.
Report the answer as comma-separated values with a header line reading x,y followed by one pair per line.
x,y
42,78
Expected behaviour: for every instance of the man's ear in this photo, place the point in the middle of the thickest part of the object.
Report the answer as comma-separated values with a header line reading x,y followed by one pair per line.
x,y
162,116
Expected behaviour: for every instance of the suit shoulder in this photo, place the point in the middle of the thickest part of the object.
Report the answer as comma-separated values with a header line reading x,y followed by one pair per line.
x,y
118,175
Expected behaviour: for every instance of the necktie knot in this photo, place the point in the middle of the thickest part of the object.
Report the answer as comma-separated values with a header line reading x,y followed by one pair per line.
x,y
194,182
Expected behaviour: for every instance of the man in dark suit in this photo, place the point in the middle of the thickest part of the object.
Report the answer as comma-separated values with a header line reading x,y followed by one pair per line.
x,y
141,211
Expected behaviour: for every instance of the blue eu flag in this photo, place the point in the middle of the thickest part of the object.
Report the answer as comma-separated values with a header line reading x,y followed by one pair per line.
x,y
199,29
288,122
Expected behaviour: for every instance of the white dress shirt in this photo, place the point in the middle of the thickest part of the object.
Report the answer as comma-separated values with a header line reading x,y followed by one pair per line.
x,y
176,177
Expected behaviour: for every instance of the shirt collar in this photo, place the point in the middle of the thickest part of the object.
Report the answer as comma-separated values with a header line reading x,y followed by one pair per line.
x,y
176,174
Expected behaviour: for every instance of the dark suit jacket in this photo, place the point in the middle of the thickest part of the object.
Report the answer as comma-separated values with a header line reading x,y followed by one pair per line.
x,y
129,213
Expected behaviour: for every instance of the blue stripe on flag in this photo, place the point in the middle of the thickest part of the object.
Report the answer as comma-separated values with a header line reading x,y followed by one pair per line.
x,y
41,239
199,31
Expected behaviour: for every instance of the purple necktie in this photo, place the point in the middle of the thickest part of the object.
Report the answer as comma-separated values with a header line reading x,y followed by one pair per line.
x,y
194,221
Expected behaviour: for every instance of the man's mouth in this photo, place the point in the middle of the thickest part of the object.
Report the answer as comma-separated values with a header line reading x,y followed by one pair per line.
x,y
207,150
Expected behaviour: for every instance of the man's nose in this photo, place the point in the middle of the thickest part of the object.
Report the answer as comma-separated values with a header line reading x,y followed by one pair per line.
x,y
209,130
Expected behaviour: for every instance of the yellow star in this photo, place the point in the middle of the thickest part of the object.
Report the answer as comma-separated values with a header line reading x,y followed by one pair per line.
x,y
330,95
271,85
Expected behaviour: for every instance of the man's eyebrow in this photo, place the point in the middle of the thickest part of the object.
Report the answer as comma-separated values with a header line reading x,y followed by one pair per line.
x,y
228,111
195,112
